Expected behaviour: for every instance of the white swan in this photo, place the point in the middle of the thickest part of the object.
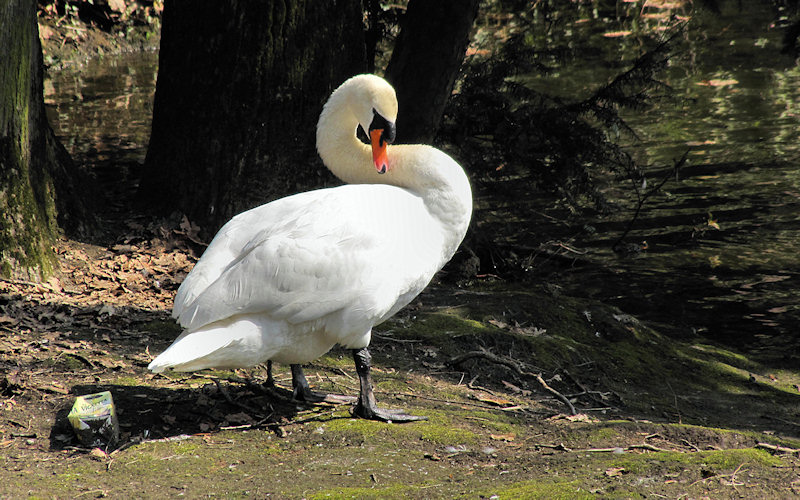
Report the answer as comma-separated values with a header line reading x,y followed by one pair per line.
x,y
288,280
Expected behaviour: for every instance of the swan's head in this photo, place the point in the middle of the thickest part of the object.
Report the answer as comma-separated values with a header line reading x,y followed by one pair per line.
x,y
375,105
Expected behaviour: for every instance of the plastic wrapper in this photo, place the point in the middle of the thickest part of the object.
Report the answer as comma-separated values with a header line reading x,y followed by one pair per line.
x,y
94,419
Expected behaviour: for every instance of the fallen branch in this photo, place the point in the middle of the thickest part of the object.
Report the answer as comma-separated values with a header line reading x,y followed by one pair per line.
x,y
517,368
643,198
777,449
616,449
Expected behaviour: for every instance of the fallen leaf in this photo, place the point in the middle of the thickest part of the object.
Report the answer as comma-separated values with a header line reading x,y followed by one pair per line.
x,y
516,389
498,323
503,437
580,417
493,400
616,34
718,83
615,471
53,387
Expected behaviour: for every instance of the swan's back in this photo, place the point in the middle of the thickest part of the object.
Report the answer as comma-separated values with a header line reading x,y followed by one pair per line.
x,y
354,254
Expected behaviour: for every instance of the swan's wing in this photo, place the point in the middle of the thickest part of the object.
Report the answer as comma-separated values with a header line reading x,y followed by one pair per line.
x,y
353,247
228,244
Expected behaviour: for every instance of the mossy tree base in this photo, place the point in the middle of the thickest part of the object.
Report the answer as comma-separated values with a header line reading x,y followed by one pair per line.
x,y
37,178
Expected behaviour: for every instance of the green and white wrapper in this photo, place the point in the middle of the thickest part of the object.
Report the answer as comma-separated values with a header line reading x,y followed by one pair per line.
x,y
94,419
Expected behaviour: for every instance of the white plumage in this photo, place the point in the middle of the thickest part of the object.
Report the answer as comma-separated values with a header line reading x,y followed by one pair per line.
x,y
288,280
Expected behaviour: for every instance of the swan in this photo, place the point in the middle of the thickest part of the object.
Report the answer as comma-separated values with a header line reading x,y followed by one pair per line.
x,y
288,280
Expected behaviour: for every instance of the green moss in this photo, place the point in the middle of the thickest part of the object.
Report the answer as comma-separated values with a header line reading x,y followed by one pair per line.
x,y
383,491
127,381
495,422
438,429
718,460
539,489
335,359
603,434
444,431
725,355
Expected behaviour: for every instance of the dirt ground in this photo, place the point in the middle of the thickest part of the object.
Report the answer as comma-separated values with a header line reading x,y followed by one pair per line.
x,y
529,393
488,364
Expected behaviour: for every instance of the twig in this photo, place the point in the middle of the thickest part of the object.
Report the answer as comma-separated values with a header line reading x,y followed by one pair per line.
x,y
559,446
556,394
777,449
515,366
246,426
228,398
732,475
645,446
674,172
399,341
690,445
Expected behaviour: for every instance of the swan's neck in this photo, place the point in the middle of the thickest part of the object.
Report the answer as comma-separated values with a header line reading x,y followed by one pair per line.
x,y
422,170
347,157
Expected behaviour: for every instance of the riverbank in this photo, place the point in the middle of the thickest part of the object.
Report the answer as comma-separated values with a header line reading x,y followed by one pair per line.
x,y
74,32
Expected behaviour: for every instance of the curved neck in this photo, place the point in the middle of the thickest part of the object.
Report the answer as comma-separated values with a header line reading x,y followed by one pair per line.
x,y
347,157
422,170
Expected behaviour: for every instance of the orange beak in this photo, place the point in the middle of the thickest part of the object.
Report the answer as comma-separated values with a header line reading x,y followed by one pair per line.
x,y
379,151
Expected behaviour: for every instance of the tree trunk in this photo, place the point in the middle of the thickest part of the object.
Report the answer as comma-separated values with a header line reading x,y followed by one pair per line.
x,y
240,87
34,167
424,65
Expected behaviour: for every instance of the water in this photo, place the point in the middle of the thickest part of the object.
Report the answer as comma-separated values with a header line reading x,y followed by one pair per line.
x,y
102,113
721,256
720,259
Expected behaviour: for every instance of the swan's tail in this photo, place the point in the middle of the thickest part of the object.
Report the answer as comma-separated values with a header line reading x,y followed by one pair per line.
x,y
221,345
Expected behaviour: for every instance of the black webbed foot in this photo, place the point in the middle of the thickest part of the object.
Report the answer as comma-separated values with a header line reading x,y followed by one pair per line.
x,y
367,407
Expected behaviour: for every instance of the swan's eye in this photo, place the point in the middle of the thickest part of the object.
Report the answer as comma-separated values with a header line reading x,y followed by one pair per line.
x,y
381,123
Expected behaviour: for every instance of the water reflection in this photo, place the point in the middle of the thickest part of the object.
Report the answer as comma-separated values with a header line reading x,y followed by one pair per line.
x,y
101,112
721,257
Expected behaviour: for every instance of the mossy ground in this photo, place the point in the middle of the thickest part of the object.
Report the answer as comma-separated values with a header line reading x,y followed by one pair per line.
x,y
657,416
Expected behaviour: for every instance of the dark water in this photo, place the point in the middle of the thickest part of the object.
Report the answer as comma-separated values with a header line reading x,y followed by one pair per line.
x,y
721,258
102,112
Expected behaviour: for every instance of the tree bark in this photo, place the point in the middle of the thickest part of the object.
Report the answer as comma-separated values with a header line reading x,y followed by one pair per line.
x,y
36,174
424,65
239,91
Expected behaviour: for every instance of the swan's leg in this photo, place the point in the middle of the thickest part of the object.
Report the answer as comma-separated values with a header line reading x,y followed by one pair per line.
x,y
302,392
270,379
367,407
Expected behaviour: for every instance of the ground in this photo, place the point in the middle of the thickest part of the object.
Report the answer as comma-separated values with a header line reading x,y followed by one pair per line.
x,y
529,393
653,416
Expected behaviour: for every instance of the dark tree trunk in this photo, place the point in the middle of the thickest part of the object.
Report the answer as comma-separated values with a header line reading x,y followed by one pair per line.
x,y
239,91
430,49
37,177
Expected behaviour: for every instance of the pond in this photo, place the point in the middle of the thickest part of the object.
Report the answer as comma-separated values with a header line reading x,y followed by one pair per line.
x,y
101,112
720,257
